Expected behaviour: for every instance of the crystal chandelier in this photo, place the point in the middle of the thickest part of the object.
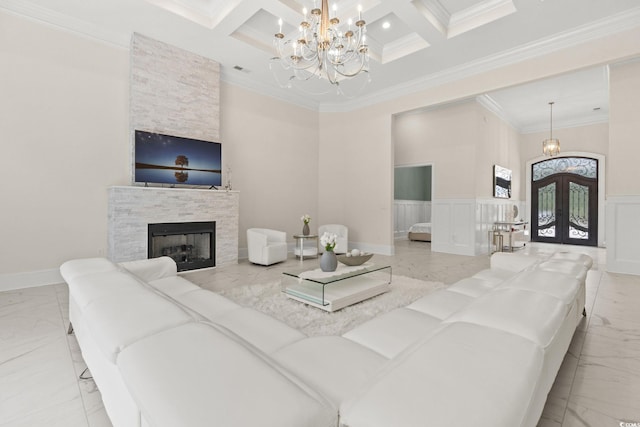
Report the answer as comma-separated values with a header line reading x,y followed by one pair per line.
x,y
551,146
322,48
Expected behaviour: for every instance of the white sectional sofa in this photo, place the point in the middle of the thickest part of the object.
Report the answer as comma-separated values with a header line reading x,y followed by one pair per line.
x,y
482,352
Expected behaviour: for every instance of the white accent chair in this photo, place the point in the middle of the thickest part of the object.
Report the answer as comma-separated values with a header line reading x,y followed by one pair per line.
x,y
342,231
266,246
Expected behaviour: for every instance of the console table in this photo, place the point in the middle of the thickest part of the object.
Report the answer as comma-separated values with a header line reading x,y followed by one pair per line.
x,y
514,231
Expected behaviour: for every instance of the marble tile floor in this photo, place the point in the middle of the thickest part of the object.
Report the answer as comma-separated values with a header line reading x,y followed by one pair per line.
x,y
598,384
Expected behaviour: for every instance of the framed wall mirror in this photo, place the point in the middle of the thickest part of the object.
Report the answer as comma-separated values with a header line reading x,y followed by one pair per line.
x,y
501,182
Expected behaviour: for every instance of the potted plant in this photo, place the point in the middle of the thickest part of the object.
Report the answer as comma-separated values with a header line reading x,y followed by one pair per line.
x,y
328,260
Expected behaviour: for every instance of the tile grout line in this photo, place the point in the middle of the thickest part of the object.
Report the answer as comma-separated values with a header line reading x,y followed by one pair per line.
x,y
586,329
70,352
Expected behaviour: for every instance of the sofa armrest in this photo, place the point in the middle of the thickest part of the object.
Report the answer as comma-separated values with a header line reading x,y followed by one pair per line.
x,y
151,269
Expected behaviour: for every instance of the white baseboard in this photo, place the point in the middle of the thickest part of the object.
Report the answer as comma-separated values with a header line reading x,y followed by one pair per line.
x,y
32,279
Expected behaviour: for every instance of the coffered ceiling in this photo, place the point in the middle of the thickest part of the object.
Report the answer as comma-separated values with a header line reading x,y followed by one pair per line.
x,y
426,42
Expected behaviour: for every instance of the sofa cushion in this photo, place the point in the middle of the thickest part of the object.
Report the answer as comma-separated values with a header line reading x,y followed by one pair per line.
x,y
264,332
551,283
174,286
585,260
441,303
494,274
463,375
335,366
90,287
79,267
120,320
392,332
151,269
569,268
207,304
194,375
473,287
535,316
513,262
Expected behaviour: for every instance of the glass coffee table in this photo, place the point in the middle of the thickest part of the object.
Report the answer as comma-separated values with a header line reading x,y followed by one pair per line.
x,y
333,291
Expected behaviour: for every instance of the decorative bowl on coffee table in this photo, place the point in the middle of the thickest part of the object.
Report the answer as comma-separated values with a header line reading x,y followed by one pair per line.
x,y
354,260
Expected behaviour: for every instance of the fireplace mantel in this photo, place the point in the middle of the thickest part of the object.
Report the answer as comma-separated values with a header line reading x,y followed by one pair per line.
x,y
132,208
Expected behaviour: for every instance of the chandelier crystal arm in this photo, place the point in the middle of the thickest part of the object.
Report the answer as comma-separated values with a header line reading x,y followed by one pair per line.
x,y
323,47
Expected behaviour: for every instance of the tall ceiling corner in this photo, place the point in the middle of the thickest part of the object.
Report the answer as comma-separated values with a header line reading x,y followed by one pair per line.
x,y
208,13
453,18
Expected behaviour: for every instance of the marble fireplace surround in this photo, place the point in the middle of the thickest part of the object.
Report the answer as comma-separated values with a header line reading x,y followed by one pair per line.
x,y
132,208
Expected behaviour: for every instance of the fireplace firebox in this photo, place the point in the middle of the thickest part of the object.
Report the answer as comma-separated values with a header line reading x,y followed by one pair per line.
x,y
191,245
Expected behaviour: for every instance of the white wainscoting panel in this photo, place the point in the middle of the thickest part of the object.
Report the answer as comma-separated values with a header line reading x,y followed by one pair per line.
x,y
489,211
409,212
453,226
623,234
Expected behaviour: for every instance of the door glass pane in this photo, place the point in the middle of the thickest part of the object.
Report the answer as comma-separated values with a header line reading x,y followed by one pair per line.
x,y
578,211
587,168
547,210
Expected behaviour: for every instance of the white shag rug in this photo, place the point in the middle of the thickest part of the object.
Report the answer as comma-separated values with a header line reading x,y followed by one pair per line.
x,y
269,299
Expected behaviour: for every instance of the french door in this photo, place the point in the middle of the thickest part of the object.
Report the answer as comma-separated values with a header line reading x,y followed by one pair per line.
x,y
564,201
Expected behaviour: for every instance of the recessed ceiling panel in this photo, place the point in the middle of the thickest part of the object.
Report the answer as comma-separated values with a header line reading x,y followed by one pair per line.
x,y
345,9
260,29
390,38
208,13
454,17
580,98
455,6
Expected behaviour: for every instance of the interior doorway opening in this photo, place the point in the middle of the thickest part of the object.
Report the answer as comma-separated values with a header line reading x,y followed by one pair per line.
x,y
412,202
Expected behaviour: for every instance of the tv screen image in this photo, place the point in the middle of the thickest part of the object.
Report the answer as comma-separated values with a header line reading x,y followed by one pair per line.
x,y
165,159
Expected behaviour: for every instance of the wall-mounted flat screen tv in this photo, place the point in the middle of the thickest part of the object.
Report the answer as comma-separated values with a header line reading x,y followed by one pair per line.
x,y
165,159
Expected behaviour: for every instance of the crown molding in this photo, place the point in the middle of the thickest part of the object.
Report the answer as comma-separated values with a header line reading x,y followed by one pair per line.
x,y
402,47
567,124
64,22
490,104
612,25
435,13
479,15
602,28
200,15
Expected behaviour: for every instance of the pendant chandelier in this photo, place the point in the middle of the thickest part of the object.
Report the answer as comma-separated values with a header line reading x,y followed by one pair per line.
x,y
322,48
551,146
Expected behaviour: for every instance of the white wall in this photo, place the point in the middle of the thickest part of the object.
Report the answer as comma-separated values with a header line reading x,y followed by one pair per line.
x,y
356,176
463,141
623,185
445,137
64,110
63,115
588,139
368,130
272,149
